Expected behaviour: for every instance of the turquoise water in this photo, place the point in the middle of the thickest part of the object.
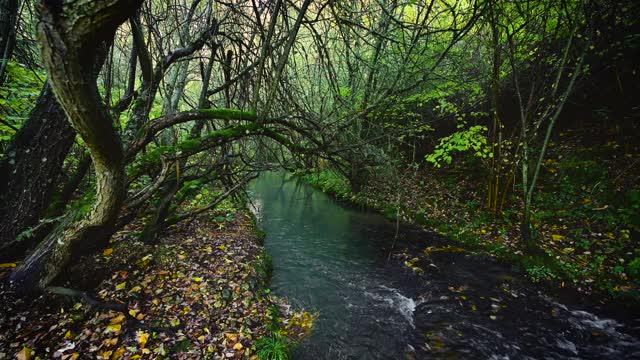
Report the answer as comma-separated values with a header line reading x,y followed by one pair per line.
x,y
334,259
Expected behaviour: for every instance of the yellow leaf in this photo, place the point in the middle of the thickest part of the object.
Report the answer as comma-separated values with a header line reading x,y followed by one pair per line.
x,y
135,357
118,353
557,237
135,289
142,338
222,247
175,322
231,337
197,279
121,285
25,354
118,319
237,346
107,252
8,265
133,312
68,335
114,328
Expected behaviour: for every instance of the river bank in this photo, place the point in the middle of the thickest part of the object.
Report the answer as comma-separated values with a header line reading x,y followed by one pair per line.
x,y
201,292
394,291
587,246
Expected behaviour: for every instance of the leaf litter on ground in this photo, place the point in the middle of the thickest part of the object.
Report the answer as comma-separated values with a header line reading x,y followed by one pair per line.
x,y
198,293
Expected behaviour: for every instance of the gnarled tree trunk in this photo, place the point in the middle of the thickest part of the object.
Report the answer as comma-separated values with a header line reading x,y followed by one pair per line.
x,y
68,32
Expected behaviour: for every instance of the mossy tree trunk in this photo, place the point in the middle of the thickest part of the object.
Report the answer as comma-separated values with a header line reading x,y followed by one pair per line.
x,y
68,32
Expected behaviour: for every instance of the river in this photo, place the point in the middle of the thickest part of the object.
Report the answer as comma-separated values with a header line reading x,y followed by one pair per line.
x,y
335,259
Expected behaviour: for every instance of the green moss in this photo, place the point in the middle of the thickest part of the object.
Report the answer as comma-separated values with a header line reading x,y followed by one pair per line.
x,y
189,145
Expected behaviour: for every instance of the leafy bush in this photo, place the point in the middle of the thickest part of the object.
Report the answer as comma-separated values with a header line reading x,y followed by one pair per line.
x,y
473,139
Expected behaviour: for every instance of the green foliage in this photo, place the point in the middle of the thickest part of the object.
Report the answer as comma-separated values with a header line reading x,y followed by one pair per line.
x,y
630,208
26,234
633,268
17,96
473,139
539,273
330,182
274,347
539,268
345,91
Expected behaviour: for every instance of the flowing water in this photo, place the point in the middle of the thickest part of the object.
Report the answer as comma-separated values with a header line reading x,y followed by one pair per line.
x,y
335,260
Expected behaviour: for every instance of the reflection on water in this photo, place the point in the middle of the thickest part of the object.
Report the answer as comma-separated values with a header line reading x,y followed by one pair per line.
x,y
333,259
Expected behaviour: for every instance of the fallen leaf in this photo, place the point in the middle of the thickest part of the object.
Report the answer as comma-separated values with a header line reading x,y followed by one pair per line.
x,y
118,319
107,252
142,338
114,328
8,265
231,337
68,346
118,353
121,285
25,354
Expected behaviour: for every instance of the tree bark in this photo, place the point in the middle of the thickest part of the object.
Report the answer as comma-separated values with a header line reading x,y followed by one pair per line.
x,y
68,35
8,18
32,164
